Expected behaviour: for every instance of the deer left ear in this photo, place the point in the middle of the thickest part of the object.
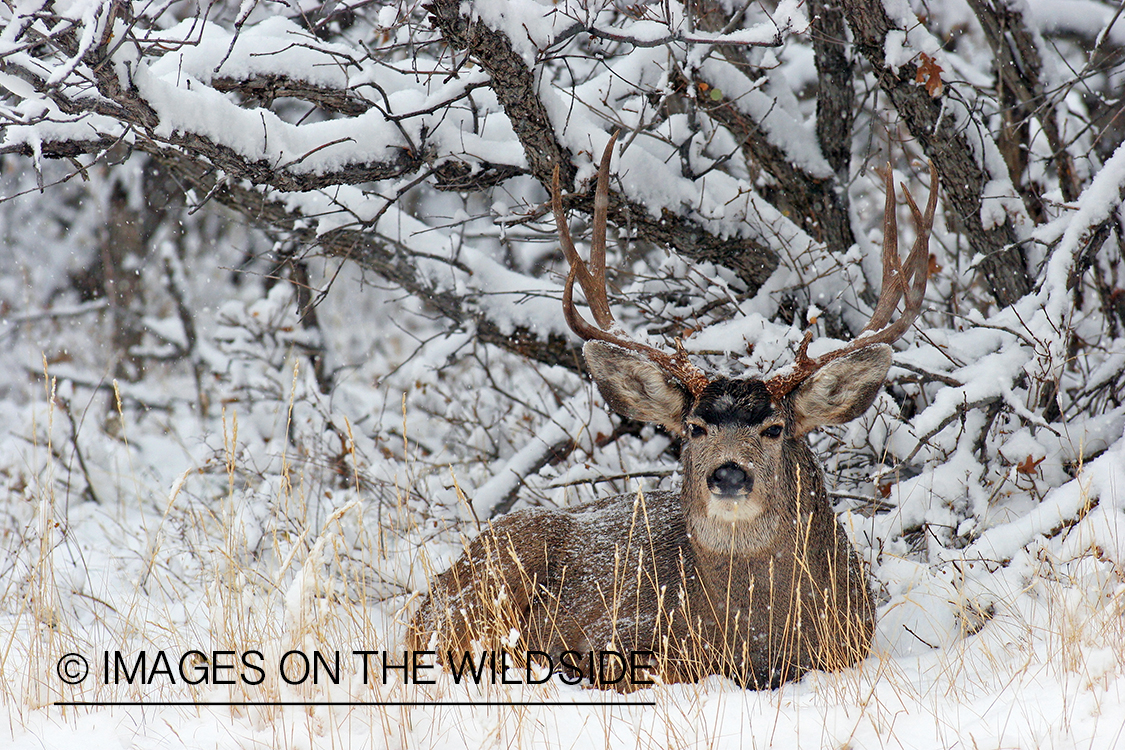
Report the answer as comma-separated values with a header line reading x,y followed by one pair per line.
x,y
841,390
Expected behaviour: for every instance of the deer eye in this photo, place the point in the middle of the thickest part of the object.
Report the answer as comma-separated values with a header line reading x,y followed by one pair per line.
x,y
696,430
773,431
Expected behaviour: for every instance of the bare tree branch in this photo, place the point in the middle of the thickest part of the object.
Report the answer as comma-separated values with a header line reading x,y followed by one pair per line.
x,y
391,262
517,87
1019,69
948,145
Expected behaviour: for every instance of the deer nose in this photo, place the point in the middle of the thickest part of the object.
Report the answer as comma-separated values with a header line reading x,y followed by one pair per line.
x,y
729,480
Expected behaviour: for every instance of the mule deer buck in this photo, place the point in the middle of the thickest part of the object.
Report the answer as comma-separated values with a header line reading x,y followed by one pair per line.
x,y
744,572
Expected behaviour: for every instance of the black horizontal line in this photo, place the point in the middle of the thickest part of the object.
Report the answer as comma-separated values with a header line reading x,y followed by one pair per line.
x,y
350,703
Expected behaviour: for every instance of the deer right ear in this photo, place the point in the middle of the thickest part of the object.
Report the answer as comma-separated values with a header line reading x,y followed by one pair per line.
x,y
841,390
635,387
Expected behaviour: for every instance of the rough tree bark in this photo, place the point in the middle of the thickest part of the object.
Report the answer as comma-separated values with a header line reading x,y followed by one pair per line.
x,y
948,145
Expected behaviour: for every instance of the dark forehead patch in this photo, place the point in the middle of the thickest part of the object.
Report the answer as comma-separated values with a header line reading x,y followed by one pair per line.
x,y
725,402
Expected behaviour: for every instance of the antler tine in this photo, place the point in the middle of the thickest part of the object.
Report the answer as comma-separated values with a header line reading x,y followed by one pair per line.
x,y
912,276
892,268
918,262
906,281
597,297
591,277
577,266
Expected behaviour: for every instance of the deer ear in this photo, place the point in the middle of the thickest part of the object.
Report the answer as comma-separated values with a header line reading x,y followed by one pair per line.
x,y
841,390
635,387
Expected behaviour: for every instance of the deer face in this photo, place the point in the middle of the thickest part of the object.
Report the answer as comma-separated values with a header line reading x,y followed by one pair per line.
x,y
733,439
737,437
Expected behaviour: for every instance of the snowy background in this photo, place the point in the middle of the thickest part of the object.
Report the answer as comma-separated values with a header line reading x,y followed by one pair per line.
x,y
279,323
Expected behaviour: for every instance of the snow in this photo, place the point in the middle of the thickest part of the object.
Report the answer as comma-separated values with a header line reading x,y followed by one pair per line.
x,y
223,502
1079,16
275,46
1101,480
507,477
184,106
536,19
1097,202
777,114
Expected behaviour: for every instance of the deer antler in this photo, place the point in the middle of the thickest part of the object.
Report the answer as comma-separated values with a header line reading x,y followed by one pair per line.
x,y
591,278
906,281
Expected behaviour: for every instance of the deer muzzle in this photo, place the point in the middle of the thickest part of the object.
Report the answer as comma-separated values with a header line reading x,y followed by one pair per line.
x,y
730,481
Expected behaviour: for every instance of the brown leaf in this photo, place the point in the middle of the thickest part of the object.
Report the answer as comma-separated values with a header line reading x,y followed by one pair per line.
x,y
934,266
929,73
1029,466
